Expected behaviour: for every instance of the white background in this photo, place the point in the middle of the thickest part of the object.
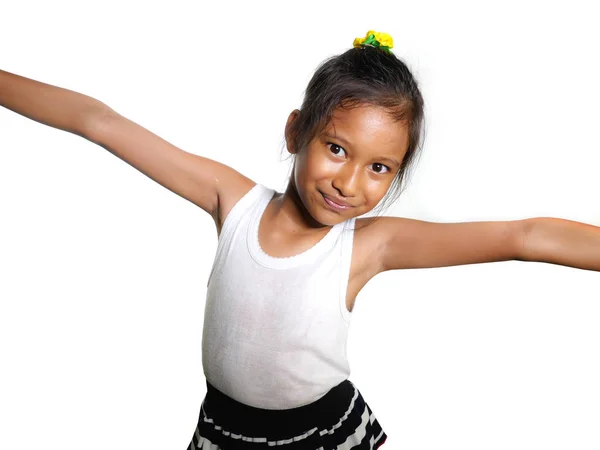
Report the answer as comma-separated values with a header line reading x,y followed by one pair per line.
x,y
103,272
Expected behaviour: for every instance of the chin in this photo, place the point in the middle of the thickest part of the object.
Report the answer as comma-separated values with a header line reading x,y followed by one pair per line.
x,y
323,218
330,222
330,218
321,215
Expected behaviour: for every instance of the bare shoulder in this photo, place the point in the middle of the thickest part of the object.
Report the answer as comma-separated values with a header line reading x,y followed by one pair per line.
x,y
232,187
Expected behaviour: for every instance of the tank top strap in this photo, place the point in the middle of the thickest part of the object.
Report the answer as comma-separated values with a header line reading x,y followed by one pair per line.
x,y
257,194
347,243
255,197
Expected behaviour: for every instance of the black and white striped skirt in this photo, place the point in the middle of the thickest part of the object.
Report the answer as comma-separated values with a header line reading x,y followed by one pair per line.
x,y
340,420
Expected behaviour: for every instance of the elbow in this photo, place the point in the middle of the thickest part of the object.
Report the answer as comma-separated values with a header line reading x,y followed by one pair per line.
x,y
95,120
524,232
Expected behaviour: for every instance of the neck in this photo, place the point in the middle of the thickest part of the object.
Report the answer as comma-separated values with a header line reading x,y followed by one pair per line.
x,y
288,212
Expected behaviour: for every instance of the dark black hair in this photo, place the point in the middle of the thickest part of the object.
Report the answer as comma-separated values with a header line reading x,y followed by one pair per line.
x,y
361,76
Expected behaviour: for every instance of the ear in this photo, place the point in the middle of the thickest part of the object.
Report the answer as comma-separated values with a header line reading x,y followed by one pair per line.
x,y
289,138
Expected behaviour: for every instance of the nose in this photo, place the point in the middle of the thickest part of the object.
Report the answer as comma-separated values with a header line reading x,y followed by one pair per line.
x,y
346,180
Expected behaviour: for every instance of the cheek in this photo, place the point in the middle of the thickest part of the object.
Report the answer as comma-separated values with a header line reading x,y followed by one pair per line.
x,y
304,175
375,191
314,165
300,168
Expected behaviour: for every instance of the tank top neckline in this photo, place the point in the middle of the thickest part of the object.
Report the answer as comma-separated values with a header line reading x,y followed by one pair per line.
x,y
261,257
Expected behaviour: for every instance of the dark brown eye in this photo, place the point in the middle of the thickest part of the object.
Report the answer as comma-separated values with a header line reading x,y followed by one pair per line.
x,y
334,148
380,168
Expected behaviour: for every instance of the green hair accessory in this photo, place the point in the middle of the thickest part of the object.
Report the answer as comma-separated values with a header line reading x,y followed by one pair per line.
x,y
375,39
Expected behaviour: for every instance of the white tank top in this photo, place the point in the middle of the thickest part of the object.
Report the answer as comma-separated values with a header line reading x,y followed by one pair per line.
x,y
276,329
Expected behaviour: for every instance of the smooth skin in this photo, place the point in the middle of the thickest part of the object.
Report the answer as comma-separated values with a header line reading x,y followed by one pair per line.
x,y
354,160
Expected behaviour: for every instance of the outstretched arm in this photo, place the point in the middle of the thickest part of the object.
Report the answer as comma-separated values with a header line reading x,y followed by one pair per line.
x,y
413,244
51,105
407,243
564,242
212,186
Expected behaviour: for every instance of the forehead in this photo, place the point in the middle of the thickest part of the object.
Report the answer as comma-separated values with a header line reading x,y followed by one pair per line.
x,y
370,128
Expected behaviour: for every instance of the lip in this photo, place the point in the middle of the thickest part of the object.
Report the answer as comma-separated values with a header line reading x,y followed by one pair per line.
x,y
333,204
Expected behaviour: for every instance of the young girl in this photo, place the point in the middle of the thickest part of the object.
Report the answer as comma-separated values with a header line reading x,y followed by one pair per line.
x,y
290,265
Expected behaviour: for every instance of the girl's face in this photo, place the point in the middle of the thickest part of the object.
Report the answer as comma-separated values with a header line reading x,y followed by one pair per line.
x,y
347,169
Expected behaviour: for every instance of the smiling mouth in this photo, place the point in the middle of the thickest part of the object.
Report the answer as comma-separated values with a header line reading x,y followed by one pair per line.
x,y
333,205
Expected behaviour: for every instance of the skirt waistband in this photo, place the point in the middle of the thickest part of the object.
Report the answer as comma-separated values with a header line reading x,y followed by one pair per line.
x,y
251,421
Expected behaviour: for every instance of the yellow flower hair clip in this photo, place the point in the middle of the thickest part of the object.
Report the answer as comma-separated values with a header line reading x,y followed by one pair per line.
x,y
376,39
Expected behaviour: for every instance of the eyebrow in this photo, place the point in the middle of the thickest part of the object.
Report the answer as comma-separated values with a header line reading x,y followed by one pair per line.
x,y
345,142
339,138
389,160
